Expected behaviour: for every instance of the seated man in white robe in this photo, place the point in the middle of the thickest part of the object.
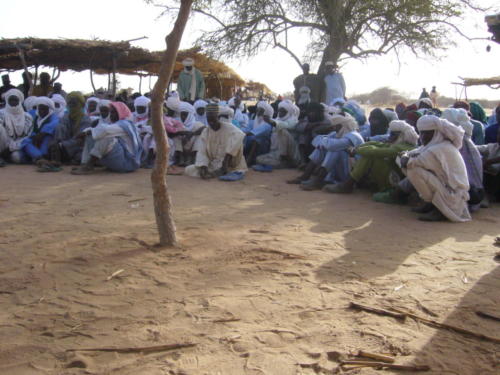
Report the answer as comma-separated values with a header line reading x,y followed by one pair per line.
x,y
115,146
240,119
437,171
220,150
91,108
200,105
284,152
186,141
15,125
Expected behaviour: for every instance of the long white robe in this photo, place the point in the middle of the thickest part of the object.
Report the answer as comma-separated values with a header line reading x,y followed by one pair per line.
x,y
215,145
439,175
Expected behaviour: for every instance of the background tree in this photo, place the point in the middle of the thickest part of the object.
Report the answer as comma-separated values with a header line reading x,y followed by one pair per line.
x,y
162,203
337,29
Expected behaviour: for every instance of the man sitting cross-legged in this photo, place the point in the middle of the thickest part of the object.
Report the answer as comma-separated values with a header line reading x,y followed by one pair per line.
x,y
220,151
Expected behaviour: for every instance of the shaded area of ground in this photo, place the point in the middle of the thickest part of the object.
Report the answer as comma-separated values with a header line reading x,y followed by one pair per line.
x,y
261,280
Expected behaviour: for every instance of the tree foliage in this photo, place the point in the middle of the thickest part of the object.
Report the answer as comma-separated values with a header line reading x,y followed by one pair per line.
x,y
336,29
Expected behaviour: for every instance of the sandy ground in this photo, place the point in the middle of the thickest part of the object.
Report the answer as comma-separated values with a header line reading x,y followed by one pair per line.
x,y
261,280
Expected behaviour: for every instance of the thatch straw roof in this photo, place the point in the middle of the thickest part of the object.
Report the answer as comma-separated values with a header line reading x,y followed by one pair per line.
x,y
492,82
79,55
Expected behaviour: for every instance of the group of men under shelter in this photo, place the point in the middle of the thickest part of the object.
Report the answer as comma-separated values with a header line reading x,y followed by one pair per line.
x,y
445,163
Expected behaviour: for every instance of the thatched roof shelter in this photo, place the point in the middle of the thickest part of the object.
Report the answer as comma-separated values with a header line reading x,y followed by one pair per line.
x,y
493,82
102,57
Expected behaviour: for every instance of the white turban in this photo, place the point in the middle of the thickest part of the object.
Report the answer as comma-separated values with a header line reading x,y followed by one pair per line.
x,y
225,110
43,100
347,122
231,103
200,103
141,101
173,103
443,130
190,119
292,111
188,61
268,109
92,99
426,101
104,103
29,102
59,99
459,117
14,116
408,133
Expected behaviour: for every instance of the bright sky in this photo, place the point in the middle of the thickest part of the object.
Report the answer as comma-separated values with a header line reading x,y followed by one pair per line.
x,y
117,20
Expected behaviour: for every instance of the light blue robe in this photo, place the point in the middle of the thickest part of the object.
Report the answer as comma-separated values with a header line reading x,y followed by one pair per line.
x,y
331,153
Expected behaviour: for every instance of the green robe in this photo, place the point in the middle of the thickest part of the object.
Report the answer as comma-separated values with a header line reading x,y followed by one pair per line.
x,y
377,162
184,85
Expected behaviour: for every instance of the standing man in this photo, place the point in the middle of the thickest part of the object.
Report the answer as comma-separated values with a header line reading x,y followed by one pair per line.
x,y
334,84
6,85
191,84
311,81
424,94
434,96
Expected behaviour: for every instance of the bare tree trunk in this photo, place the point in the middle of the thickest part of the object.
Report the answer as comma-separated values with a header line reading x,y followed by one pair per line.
x,y
162,203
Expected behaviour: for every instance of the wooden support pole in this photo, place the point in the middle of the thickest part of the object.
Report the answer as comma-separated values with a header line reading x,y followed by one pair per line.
x,y
92,80
25,66
140,84
114,74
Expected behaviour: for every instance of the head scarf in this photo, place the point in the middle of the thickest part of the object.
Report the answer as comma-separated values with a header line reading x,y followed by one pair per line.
x,y
29,103
408,133
190,120
459,117
200,103
212,108
426,101
268,111
104,103
292,111
462,104
92,99
354,109
14,117
304,95
231,103
383,117
412,117
443,130
400,109
347,122
43,100
188,61
59,99
141,101
122,109
76,114
225,110
478,113
173,103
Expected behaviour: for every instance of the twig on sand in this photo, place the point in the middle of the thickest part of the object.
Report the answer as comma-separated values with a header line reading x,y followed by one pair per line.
x,y
136,200
35,202
282,253
382,365
378,357
486,315
429,322
228,320
258,231
377,311
144,349
114,274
